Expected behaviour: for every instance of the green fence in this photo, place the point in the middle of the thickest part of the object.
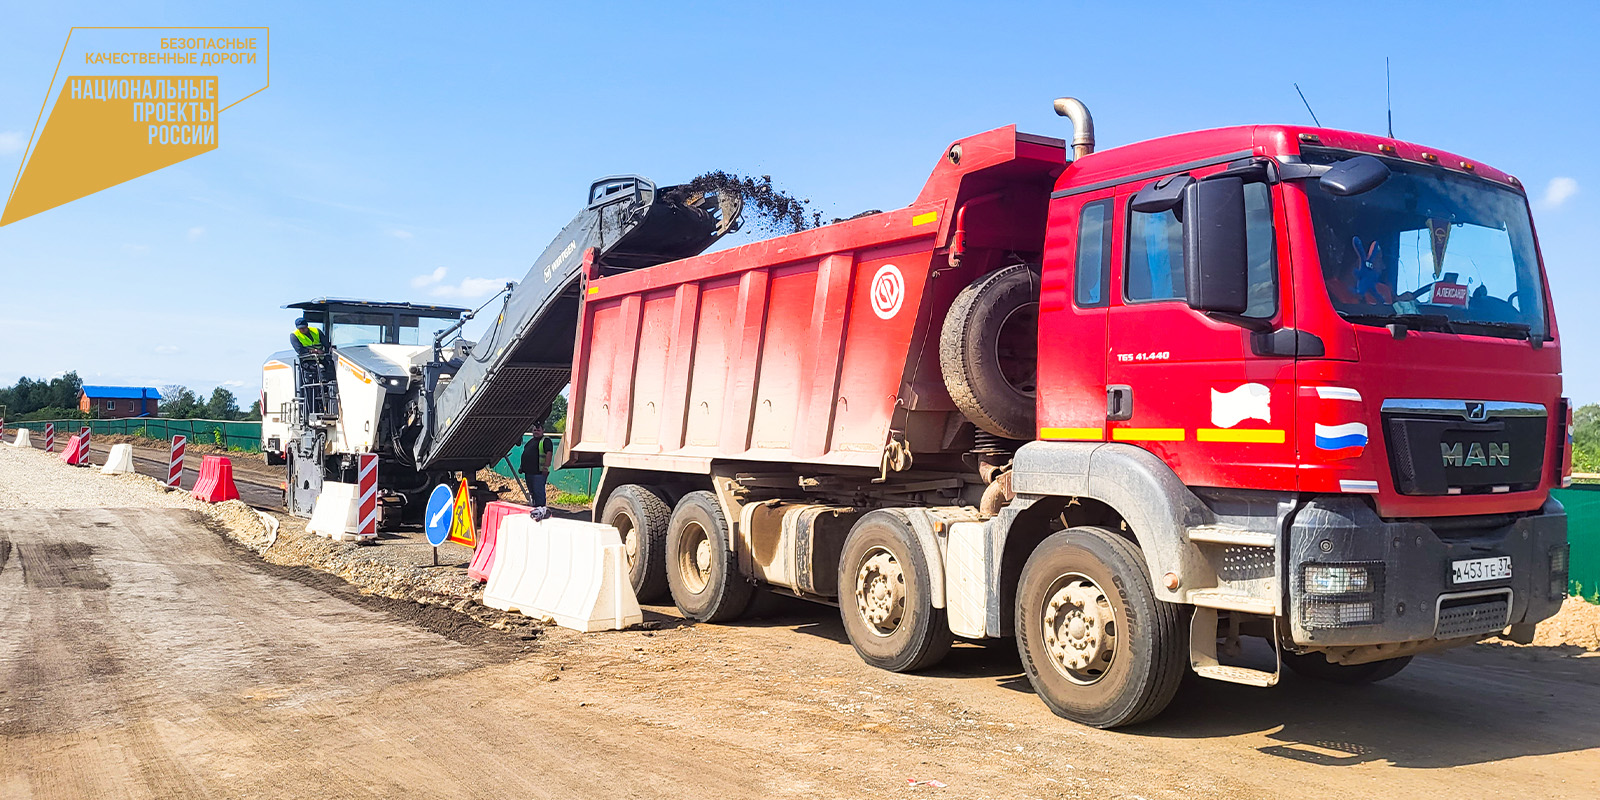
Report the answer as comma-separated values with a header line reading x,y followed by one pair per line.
x,y
1583,534
245,436
582,482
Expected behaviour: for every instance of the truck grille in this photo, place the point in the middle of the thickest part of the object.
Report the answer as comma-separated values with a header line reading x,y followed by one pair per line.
x,y
1469,616
1441,447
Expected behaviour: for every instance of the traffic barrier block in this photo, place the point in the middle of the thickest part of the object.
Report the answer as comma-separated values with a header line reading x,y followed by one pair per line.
x,y
335,513
483,557
215,484
574,572
22,439
119,461
77,450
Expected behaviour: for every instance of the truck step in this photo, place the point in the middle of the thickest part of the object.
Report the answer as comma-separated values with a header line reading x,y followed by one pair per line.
x,y
1244,675
1211,598
1221,534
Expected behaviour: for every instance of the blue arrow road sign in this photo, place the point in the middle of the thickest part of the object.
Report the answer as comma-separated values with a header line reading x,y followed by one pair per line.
x,y
440,513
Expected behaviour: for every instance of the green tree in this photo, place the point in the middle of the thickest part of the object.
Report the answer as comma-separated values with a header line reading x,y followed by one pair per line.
x,y
222,405
180,402
1586,438
557,421
254,415
29,396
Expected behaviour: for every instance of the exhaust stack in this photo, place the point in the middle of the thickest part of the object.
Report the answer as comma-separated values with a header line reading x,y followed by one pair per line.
x,y
1082,124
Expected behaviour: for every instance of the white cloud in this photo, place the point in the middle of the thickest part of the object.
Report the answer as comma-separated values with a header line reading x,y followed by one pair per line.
x,y
399,234
167,349
11,142
234,384
137,249
196,232
428,279
470,288
1559,192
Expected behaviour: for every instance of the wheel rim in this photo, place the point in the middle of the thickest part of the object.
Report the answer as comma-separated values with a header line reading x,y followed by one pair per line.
x,y
630,535
1080,629
1017,348
694,557
881,592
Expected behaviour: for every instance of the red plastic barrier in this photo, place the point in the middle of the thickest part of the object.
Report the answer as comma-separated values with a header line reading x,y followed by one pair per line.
x,y
215,484
77,450
483,557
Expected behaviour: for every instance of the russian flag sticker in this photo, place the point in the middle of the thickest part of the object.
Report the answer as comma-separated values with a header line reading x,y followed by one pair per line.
x,y
1341,437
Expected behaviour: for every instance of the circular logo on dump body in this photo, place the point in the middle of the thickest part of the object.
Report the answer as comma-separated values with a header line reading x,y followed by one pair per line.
x,y
888,291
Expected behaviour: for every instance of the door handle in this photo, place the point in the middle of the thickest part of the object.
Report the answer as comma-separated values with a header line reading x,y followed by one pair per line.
x,y
1119,402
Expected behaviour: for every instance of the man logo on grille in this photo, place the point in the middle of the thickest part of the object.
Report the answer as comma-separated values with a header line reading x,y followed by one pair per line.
x,y
888,291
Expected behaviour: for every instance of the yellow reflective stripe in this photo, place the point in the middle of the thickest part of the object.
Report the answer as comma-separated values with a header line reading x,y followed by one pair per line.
x,y
1094,434
923,219
1147,434
1249,436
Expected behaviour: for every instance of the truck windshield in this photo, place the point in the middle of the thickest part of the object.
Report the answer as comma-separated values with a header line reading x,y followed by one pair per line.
x,y
1431,249
421,330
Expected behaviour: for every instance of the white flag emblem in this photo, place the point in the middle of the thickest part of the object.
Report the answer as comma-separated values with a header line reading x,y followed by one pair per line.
x,y
1250,401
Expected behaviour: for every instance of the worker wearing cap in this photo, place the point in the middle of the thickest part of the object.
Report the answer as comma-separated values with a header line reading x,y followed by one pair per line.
x,y
306,339
536,464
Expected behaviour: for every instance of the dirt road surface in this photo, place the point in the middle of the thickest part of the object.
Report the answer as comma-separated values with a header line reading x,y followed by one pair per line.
x,y
142,655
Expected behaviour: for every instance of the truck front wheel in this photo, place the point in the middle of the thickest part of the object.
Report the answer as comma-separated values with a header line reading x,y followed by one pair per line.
x,y
1315,665
1096,644
701,568
640,517
886,596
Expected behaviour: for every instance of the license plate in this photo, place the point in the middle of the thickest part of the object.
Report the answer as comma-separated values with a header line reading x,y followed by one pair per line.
x,y
1474,570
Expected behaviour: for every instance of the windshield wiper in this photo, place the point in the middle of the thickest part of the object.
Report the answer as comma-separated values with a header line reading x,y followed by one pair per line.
x,y
1515,327
1438,322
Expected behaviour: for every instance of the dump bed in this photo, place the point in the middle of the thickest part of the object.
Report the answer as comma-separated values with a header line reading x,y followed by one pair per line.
x,y
818,347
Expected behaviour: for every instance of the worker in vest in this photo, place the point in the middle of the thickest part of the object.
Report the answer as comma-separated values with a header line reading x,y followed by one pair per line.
x,y
307,339
536,464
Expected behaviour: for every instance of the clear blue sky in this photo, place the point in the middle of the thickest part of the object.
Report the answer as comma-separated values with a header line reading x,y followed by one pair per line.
x,y
397,140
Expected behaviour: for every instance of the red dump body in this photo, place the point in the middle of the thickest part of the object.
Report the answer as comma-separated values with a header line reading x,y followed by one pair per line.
x,y
807,348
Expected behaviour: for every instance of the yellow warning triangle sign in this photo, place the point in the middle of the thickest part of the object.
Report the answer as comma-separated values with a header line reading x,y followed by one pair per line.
x,y
462,531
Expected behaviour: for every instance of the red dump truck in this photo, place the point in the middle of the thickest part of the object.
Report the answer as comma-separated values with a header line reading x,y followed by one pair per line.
x,y
1226,401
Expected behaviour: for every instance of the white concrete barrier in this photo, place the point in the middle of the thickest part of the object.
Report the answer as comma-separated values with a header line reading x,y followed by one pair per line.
x,y
22,439
334,515
573,572
119,461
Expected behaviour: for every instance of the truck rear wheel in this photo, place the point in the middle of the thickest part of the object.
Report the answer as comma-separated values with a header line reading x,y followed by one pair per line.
x,y
641,516
701,568
988,351
886,596
1316,665
1096,644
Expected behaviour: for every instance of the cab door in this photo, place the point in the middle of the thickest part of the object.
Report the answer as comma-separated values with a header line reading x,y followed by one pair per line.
x,y
1074,294
1188,387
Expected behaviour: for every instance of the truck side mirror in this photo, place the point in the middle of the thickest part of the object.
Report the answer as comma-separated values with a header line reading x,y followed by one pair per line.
x,y
1163,195
1215,255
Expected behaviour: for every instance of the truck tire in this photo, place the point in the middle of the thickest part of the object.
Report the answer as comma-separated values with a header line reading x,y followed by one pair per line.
x,y
886,596
702,570
1317,666
641,515
1096,644
988,351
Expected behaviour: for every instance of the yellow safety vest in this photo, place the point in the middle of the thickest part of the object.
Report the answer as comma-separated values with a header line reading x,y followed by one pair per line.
x,y
311,340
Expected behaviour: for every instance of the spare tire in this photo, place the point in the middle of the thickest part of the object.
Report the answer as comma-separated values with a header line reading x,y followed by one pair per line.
x,y
988,351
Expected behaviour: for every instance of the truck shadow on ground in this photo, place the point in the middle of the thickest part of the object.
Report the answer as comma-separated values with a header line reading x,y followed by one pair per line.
x,y
1477,705
1474,705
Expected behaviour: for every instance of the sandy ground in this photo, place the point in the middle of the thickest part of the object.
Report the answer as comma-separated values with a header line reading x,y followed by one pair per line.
x,y
142,654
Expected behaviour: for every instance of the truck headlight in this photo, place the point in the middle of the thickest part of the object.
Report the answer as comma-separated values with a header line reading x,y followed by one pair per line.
x,y
1333,614
1341,578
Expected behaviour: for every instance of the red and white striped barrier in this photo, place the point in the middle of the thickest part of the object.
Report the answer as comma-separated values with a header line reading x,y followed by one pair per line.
x,y
175,461
367,494
84,435
49,437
